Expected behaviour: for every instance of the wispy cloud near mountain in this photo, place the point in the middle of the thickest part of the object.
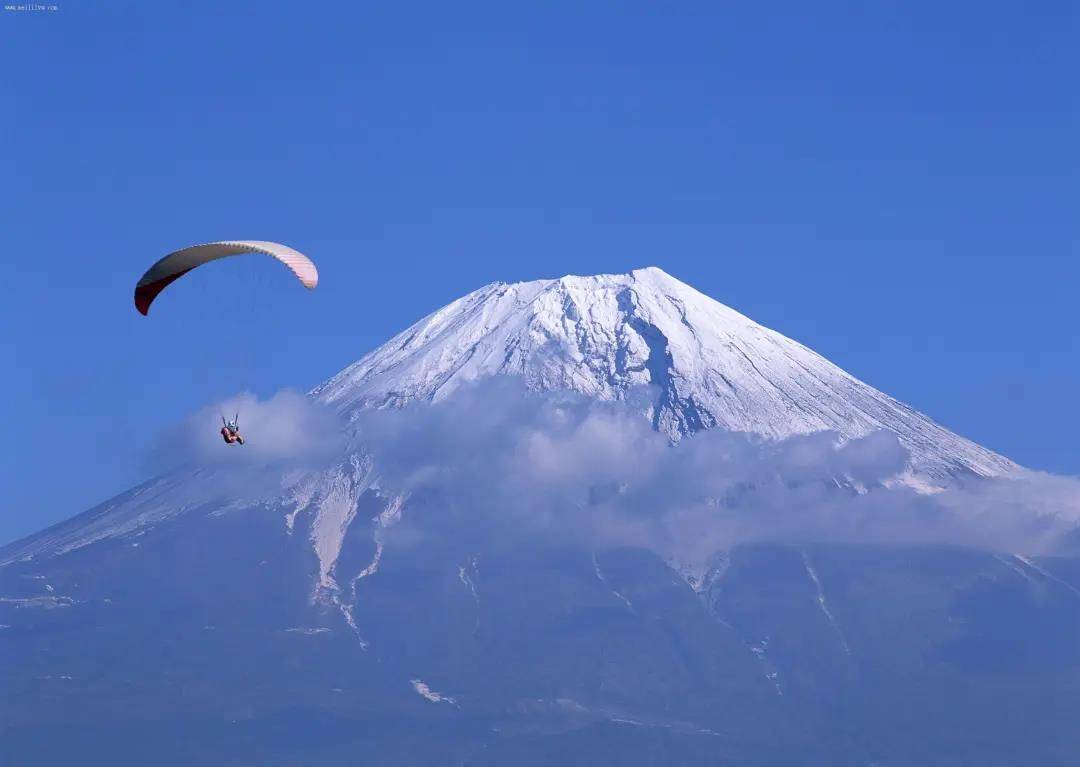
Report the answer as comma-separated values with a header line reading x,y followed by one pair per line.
x,y
494,459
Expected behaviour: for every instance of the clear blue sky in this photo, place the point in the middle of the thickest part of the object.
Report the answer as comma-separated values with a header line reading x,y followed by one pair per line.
x,y
895,184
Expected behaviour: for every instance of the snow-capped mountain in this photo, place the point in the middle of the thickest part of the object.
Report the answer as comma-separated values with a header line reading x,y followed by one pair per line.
x,y
603,335
238,609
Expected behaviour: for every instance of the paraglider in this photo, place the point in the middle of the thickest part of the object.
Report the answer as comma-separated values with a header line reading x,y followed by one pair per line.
x,y
178,263
230,430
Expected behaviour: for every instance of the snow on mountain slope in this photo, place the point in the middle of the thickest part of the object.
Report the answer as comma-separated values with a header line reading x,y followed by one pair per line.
x,y
603,335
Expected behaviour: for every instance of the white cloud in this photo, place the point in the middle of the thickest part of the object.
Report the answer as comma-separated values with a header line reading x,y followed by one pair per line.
x,y
494,460
287,428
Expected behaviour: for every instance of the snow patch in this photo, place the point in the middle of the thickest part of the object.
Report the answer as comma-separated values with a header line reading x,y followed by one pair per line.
x,y
600,577
348,607
1047,574
822,603
1016,568
771,674
45,603
465,575
426,692
337,506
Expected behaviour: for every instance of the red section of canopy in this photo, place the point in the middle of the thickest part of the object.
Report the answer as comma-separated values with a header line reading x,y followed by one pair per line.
x,y
145,294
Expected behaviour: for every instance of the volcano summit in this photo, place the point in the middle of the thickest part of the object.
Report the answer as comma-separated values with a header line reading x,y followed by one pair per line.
x,y
604,335
474,579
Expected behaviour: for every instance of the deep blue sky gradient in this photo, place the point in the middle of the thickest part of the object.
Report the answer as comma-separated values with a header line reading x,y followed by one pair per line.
x,y
895,184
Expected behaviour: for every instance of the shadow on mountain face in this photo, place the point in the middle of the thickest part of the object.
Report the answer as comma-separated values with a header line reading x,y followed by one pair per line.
x,y
200,643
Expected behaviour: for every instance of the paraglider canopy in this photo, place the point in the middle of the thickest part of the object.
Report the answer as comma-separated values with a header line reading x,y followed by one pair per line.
x,y
178,263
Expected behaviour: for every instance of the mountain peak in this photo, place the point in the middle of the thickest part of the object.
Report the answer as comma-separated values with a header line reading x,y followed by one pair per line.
x,y
646,277
644,274
657,276
606,335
